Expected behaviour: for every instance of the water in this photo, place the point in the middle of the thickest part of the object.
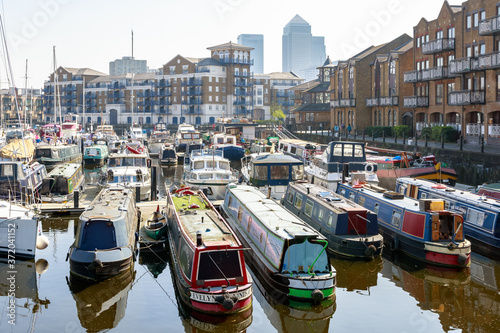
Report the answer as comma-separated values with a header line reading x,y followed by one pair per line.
x,y
387,295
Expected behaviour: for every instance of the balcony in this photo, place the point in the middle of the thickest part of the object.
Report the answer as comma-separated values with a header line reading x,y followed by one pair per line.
x,y
342,103
242,92
242,83
165,93
438,45
489,26
190,92
231,60
371,102
490,60
466,97
434,73
164,83
463,65
389,101
192,101
287,103
192,82
411,77
241,74
415,101
242,102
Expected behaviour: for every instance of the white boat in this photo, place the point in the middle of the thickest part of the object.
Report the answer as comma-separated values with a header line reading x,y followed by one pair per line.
x,y
227,143
18,231
106,132
136,132
130,170
71,130
326,169
207,168
186,135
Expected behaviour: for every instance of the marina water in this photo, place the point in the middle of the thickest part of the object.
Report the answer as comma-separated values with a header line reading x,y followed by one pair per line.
x,y
391,294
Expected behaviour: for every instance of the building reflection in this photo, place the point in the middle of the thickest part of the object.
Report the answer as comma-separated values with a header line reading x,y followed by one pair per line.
x,y
102,305
357,275
463,299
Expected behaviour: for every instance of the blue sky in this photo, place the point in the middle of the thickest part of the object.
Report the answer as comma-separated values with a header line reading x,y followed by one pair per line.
x,y
91,33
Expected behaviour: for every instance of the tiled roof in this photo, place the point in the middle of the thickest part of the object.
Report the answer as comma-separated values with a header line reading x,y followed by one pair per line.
x,y
322,87
313,107
230,45
209,62
83,71
305,86
284,76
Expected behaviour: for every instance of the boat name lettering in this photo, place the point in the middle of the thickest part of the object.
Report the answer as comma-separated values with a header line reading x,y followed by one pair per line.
x,y
210,298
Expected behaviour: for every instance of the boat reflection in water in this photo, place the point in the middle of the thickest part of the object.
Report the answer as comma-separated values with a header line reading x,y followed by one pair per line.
x,y
155,262
296,316
101,306
357,276
25,295
462,300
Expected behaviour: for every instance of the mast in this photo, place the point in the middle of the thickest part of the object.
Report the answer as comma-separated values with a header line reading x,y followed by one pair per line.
x,y
55,84
132,86
84,98
25,104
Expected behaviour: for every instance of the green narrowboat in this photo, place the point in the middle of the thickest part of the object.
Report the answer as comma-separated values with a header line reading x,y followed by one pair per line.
x,y
96,155
60,183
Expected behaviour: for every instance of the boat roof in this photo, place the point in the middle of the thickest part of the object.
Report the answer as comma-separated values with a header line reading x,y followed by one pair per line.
x,y
270,213
128,155
334,201
128,170
64,170
9,210
59,147
276,159
110,203
453,193
206,221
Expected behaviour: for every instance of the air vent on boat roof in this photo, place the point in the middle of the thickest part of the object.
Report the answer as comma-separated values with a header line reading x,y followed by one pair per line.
x,y
298,232
393,195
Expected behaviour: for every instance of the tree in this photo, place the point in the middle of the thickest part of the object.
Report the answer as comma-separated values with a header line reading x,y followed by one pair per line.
x,y
277,114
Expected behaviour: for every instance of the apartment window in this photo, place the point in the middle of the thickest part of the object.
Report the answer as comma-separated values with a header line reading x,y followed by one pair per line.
x,y
468,23
427,38
426,64
439,34
451,87
482,48
309,117
418,66
209,79
223,107
468,51
392,67
216,98
210,107
65,77
439,94
439,62
451,57
209,98
172,70
210,88
498,85
265,99
184,69
217,80
217,89
223,99
476,19
418,42
451,32
223,89
482,15
476,50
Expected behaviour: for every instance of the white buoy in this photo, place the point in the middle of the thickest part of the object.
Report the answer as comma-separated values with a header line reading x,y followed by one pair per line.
x,y
41,266
42,242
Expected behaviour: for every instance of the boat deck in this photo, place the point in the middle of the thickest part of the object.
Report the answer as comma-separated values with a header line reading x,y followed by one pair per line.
x,y
145,242
202,220
69,207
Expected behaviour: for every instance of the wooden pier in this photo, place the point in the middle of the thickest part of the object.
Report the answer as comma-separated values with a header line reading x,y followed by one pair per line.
x,y
70,207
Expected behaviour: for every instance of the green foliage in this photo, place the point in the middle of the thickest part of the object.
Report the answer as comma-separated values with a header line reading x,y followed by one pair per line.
x,y
399,130
277,113
434,133
378,130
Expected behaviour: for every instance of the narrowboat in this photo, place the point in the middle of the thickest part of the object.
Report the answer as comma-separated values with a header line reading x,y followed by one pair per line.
x,y
490,190
271,172
481,214
96,155
106,236
351,230
340,156
133,177
209,169
227,143
52,155
207,257
60,183
287,255
167,155
303,150
19,180
421,229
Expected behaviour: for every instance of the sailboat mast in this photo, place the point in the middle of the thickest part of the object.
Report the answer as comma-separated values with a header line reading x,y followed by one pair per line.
x,y
55,82
84,98
132,86
25,104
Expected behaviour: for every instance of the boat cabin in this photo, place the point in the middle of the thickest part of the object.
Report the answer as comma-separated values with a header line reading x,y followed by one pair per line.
x,y
62,180
273,169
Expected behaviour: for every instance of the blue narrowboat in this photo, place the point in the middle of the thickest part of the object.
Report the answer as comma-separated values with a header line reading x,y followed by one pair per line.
x,y
96,155
351,230
481,214
421,229
288,256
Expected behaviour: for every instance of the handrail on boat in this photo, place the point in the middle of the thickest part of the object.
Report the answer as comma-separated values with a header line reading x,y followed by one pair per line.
x,y
324,248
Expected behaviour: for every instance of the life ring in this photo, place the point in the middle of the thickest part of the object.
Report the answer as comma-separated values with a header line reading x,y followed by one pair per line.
x,y
140,149
357,186
439,186
182,189
394,245
186,192
369,167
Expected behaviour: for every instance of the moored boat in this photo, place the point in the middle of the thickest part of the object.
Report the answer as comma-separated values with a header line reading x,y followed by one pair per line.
x,y
421,229
19,180
60,183
227,143
481,214
351,230
156,225
207,256
167,155
289,256
106,237
52,155
96,154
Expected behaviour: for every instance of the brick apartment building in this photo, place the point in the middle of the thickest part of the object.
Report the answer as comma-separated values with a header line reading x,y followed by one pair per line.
x,y
29,104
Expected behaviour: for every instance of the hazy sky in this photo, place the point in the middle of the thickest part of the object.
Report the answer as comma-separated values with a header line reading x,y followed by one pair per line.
x,y
90,33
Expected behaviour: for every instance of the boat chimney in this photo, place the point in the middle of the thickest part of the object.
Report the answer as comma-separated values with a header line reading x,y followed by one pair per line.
x,y
199,241
202,219
308,189
269,192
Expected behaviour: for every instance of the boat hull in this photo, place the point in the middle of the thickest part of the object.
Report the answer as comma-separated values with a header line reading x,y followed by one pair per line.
x,y
82,271
18,238
233,153
168,161
388,177
94,161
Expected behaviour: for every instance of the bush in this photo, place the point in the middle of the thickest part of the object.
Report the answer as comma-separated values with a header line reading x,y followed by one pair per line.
x,y
399,130
378,130
434,133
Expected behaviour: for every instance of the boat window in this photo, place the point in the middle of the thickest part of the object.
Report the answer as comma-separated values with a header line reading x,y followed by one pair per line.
x,y
229,140
348,150
249,224
358,151
475,217
218,265
298,200
290,196
423,195
320,215
293,150
260,172
342,192
198,165
205,176
361,201
297,172
43,153
55,153
224,165
7,170
240,213
98,235
396,218
402,189
337,150
300,152
309,208
377,206
211,164
280,172
299,257
351,196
